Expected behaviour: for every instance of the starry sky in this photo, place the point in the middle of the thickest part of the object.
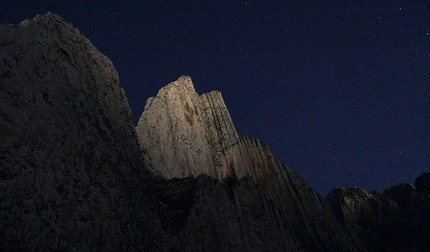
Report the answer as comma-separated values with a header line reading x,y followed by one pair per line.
x,y
339,90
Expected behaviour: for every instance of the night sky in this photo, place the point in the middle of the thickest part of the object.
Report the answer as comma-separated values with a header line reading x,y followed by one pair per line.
x,y
339,90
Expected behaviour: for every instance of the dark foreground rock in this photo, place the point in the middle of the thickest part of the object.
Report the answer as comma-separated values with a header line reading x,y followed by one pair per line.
x,y
71,174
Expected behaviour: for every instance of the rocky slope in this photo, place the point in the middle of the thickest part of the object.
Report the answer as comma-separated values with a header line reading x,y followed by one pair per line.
x,y
75,176
69,158
396,220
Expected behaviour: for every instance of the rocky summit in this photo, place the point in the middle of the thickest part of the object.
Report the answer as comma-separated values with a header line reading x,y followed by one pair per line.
x,y
184,135
76,175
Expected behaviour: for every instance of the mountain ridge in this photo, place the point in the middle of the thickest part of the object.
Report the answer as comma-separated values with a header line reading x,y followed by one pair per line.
x,y
76,175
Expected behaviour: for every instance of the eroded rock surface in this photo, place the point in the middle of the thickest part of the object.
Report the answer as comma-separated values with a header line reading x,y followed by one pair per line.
x,y
71,173
183,134
206,215
73,177
396,220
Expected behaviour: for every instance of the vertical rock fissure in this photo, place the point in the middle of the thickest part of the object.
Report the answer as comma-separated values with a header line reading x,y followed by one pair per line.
x,y
229,158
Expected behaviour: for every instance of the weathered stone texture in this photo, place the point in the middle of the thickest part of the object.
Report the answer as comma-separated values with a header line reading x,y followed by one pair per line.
x,y
69,156
74,178
207,215
395,220
182,134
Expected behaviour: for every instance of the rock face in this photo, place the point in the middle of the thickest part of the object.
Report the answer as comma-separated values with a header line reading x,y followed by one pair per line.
x,y
75,176
183,134
206,215
396,220
69,157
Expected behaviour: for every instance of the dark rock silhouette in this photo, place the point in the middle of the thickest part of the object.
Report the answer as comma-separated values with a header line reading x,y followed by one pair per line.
x,y
69,157
396,220
75,176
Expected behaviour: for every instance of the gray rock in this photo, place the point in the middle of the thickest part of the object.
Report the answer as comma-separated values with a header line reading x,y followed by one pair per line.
x,y
397,220
74,178
69,156
182,134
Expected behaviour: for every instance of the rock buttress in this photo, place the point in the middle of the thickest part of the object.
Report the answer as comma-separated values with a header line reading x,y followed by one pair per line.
x,y
182,135
71,172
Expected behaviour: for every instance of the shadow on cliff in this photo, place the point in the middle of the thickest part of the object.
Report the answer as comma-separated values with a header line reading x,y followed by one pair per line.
x,y
396,220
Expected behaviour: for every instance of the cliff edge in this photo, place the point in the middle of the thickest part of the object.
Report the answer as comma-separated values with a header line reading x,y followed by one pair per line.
x,y
75,175
71,173
182,134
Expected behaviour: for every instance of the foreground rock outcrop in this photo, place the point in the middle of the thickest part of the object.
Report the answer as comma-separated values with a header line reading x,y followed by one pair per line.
x,y
75,176
69,157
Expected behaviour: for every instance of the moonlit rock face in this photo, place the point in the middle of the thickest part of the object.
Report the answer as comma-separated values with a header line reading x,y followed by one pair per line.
x,y
183,134
73,177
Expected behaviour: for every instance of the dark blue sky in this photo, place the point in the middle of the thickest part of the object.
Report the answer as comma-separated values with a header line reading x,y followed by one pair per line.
x,y
339,91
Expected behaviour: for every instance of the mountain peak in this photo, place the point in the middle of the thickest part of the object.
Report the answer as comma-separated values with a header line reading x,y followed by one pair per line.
x,y
48,18
182,134
73,177
183,85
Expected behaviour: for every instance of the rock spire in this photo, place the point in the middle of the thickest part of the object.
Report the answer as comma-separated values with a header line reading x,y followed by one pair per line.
x,y
73,177
182,134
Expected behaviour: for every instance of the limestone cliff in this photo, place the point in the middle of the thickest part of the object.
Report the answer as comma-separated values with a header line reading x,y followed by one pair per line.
x,y
69,156
73,177
183,134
